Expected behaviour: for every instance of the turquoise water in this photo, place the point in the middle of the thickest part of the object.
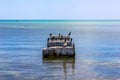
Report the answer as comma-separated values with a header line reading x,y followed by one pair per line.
x,y
97,50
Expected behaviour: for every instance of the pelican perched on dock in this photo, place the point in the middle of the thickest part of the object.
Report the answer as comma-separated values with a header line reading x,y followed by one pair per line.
x,y
59,45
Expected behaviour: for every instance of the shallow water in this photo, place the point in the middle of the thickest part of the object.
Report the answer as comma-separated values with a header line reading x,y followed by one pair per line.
x,y
97,54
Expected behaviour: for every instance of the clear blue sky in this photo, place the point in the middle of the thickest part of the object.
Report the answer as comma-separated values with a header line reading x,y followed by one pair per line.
x,y
59,9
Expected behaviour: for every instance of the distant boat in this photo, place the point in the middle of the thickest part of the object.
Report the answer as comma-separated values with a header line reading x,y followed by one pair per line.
x,y
22,27
18,20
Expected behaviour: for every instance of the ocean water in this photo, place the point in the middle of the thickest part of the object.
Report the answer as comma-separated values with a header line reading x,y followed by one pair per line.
x,y
97,45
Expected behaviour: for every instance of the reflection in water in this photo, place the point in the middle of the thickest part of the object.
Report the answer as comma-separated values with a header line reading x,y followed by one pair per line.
x,y
68,65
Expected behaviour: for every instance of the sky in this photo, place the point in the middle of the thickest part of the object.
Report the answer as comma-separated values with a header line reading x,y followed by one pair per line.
x,y
60,9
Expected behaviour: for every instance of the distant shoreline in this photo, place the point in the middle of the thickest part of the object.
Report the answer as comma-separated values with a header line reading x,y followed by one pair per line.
x,y
57,20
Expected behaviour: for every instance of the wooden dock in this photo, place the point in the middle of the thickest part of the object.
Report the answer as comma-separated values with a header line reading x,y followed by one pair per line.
x,y
59,45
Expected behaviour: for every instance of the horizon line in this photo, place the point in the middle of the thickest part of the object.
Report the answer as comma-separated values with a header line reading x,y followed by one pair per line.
x,y
64,19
